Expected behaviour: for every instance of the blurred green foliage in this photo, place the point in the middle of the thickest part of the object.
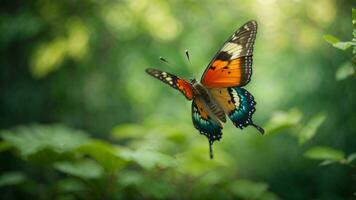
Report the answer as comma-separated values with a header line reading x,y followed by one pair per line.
x,y
81,120
349,68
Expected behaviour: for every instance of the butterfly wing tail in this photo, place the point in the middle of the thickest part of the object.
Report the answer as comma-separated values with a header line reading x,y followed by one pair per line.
x,y
241,116
238,104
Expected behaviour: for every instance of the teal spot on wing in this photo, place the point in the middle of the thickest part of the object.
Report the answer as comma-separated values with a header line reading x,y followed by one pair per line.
x,y
207,127
245,107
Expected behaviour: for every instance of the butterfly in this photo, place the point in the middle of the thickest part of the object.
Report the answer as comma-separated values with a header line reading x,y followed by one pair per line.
x,y
220,92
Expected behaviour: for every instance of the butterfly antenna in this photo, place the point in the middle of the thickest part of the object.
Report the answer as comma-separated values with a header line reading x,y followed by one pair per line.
x,y
261,130
187,54
167,62
163,59
188,58
211,149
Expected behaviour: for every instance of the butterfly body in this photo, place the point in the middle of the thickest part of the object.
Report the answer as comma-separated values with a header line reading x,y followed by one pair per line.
x,y
209,103
220,92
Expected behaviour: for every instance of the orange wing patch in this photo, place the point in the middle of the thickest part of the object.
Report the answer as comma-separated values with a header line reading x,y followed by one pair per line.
x,y
224,99
232,65
203,113
185,87
220,64
224,73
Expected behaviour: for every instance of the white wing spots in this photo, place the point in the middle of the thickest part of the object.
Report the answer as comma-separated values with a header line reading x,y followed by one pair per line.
x,y
168,78
164,74
170,82
236,98
232,49
246,27
234,37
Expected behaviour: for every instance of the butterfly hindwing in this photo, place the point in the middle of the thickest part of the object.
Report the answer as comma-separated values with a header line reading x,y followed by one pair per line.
x,y
174,81
204,123
238,104
232,65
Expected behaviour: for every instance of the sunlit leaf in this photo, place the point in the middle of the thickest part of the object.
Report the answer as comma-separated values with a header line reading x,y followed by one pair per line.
x,y
310,129
106,154
129,178
149,159
78,37
32,139
281,120
12,178
344,71
83,168
48,57
344,45
327,162
337,43
351,157
324,153
125,131
331,39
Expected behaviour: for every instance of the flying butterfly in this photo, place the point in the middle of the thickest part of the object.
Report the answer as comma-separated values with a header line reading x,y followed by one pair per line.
x,y
219,92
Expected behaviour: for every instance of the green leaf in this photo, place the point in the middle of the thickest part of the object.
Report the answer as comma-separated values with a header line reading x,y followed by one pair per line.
x,y
344,71
331,39
311,128
129,178
127,131
344,45
32,139
327,162
246,189
106,154
324,153
149,159
82,169
351,157
12,178
70,185
281,120
337,43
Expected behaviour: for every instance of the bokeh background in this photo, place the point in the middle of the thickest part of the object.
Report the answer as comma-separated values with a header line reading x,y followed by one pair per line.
x,y
80,119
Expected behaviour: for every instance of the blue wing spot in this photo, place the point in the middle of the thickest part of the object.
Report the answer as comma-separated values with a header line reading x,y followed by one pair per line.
x,y
242,115
208,127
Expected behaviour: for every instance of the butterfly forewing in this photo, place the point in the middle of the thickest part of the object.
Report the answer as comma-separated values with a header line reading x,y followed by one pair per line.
x,y
174,81
232,65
